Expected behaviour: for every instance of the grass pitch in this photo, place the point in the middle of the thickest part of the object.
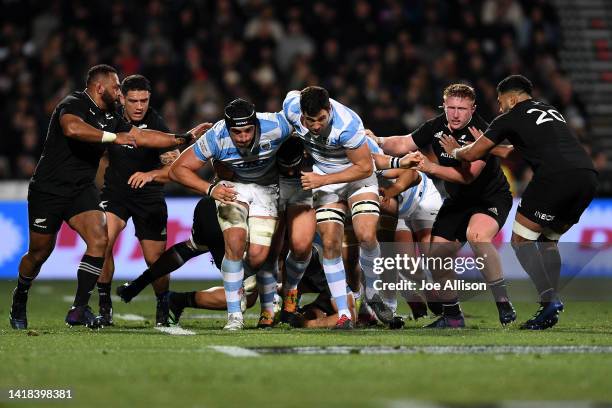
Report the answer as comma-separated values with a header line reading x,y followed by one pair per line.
x,y
134,365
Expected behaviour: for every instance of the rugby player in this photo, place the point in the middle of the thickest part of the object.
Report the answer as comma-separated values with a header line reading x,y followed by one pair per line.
x,y
133,188
563,185
478,201
342,178
296,225
62,188
247,142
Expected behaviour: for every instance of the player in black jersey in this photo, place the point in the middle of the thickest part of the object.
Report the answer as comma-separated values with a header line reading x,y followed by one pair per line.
x,y
206,236
478,198
62,188
133,187
563,185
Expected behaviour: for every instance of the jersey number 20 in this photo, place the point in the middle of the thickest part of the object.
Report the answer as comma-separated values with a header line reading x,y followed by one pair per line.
x,y
544,115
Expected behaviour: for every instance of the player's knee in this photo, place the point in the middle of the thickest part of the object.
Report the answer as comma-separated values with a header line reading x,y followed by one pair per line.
x,y
255,261
332,242
38,256
301,248
97,240
234,250
473,235
367,238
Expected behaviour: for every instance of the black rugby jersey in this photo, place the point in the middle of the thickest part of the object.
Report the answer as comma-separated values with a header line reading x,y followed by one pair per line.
x,y
489,182
67,165
127,160
539,132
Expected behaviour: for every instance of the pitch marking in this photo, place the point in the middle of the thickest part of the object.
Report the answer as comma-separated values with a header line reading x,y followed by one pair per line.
x,y
175,331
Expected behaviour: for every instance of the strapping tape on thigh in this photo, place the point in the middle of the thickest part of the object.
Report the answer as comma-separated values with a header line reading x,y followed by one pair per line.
x,y
261,230
232,216
325,214
525,232
365,207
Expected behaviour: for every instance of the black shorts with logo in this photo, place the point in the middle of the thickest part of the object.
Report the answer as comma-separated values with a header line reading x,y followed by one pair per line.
x,y
454,215
149,213
47,211
558,200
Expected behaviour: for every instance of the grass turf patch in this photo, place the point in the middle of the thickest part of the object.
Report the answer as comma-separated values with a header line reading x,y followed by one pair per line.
x,y
132,364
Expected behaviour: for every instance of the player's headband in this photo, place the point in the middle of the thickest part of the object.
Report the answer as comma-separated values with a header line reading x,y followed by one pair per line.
x,y
246,117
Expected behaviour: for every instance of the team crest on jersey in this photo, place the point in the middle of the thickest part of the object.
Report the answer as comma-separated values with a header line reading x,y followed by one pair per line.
x,y
265,145
438,135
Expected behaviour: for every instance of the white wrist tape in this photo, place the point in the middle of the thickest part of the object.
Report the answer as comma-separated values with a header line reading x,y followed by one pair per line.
x,y
108,137
454,153
394,163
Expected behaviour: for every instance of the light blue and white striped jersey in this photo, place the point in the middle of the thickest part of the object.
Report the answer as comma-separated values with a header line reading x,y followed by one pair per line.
x,y
412,197
329,153
374,148
260,167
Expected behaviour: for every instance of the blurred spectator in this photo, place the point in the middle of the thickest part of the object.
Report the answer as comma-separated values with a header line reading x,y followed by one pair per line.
x,y
387,60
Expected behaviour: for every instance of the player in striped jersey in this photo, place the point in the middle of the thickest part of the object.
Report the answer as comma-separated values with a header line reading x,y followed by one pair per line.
x,y
342,178
246,142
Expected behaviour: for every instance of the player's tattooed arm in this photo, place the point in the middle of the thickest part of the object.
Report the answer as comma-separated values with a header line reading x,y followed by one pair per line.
x,y
168,158
140,179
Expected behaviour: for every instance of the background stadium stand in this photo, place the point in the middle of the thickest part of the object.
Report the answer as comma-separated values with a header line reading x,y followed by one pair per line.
x,y
389,60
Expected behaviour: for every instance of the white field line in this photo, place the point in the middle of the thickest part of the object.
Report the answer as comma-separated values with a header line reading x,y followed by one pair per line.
x,y
235,351
129,317
175,331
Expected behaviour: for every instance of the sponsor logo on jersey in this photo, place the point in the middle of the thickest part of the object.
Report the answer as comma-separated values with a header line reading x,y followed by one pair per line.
x,y
544,216
103,204
439,134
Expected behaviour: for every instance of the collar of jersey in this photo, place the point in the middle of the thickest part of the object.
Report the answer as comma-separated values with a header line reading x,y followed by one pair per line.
x,y
91,99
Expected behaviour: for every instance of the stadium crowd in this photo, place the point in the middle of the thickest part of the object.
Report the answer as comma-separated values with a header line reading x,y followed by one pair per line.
x,y
389,60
